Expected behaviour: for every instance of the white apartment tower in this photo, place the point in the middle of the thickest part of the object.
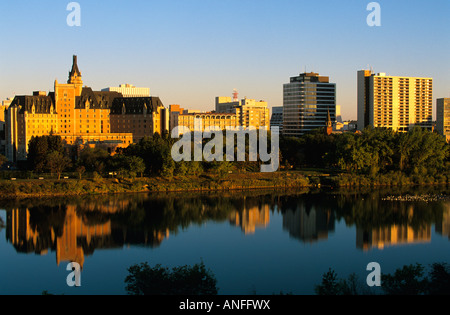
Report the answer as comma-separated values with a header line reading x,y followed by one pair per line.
x,y
398,103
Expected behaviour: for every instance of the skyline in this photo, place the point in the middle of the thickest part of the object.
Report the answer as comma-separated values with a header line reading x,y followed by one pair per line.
x,y
188,53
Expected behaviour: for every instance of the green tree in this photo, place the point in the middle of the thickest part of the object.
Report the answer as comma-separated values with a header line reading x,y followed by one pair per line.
x,y
3,160
93,159
39,148
156,153
329,285
439,282
135,164
58,163
409,280
80,171
186,280
37,154
195,168
181,168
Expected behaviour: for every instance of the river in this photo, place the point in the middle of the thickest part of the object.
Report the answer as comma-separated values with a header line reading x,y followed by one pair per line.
x,y
258,242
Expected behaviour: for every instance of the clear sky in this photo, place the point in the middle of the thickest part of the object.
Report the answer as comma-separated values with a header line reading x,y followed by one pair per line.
x,y
190,51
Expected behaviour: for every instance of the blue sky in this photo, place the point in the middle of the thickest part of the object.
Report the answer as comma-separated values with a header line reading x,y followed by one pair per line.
x,y
189,51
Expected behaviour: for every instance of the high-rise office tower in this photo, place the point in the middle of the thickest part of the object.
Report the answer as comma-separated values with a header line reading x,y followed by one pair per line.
x,y
307,100
399,103
277,118
443,117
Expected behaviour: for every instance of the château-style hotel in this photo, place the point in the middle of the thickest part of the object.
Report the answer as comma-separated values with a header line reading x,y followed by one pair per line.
x,y
82,117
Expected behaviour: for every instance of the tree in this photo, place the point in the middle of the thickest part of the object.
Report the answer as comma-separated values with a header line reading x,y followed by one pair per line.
x,y
3,160
329,285
135,164
439,282
57,163
39,148
186,280
37,153
181,168
93,160
80,170
408,280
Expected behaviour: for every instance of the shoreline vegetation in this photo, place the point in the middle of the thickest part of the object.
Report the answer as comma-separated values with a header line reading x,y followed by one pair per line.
x,y
35,188
374,158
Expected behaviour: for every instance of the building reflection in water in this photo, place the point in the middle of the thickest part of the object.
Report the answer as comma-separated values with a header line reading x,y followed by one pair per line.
x,y
249,219
392,235
443,227
78,236
73,230
308,224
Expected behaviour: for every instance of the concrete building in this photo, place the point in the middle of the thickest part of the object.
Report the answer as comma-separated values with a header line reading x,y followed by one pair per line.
x,y
3,107
443,117
129,90
251,113
28,116
346,126
307,100
140,116
338,114
222,121
277,118
399,103
174,111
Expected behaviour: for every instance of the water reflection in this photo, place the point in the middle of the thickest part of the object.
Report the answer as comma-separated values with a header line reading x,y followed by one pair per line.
x,y
251,219
75,228
307,220
443,226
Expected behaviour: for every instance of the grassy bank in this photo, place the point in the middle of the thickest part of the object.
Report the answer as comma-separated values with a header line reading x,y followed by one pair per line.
x,y
72,187
231,182
391,179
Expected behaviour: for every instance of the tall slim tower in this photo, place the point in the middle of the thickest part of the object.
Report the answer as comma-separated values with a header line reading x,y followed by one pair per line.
x,y
75,77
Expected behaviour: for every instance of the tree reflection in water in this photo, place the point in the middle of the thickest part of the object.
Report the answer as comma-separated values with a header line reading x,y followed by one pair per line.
x,y
75,227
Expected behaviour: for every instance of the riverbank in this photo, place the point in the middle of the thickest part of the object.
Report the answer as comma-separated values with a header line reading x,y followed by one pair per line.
x,y
72,187
18,189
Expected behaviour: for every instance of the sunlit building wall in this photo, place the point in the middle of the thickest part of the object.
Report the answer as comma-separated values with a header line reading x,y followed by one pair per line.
x,y
81,117
129,90
392,236
307,100
250,113
398,103
443,117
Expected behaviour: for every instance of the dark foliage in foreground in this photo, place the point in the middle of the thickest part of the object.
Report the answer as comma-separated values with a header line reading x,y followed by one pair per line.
x,y
158,280
408,280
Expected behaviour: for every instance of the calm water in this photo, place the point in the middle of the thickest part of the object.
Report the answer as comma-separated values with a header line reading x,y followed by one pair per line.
x,y
254,242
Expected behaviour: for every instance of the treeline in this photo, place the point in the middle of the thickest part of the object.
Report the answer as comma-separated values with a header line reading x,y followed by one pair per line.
x,y
149,157
373,152
408,280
